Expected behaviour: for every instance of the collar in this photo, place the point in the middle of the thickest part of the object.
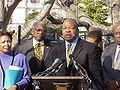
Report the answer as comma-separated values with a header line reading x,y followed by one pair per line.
x,y
74,42
36,42
118,46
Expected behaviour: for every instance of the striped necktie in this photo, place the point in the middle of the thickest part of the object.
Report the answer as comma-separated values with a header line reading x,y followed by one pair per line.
x,y
69,51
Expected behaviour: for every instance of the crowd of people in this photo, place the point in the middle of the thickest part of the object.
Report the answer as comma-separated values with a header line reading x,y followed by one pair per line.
x,y
36,54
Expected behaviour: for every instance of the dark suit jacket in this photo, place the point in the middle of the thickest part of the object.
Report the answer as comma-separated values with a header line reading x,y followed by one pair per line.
x,y
107,61
87,54
26,47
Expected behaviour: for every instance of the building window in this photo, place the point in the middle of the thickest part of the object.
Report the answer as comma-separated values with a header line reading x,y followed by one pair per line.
x,y
35,1
9,0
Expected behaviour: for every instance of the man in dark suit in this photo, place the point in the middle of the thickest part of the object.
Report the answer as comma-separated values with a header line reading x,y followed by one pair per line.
x,y
85,53
111,61
38,32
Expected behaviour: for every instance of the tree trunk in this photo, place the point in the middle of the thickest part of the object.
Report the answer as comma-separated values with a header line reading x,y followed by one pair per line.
x,y
1,13
114,6
6,12
42,14
83,17
9,12
116,13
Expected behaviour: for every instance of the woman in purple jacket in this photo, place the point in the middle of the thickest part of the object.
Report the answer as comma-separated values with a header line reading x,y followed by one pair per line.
x,y
7,58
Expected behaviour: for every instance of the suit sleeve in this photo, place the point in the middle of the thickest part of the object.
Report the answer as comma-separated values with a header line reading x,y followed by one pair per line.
x,y
22,62
95,68
105,73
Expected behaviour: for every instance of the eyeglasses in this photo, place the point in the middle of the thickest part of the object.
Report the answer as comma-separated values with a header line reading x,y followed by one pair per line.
x,y
40,30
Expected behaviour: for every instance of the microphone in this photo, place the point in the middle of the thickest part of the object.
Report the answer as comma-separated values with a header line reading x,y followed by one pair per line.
x,y
56,64
80,69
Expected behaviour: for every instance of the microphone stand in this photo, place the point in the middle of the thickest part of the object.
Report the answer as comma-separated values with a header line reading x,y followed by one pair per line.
x,y
37,85
82,71
42,73
47,71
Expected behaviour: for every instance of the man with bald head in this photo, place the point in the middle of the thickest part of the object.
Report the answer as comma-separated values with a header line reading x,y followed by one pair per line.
x,y
111,61
85,53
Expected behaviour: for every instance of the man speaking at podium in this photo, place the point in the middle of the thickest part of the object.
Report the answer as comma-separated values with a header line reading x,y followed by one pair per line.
x,y
86,54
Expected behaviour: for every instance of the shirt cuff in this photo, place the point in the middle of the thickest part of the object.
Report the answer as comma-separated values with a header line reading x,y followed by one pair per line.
x,y
18,86
117,84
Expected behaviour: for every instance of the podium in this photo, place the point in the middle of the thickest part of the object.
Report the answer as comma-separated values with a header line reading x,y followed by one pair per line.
x,y
60,82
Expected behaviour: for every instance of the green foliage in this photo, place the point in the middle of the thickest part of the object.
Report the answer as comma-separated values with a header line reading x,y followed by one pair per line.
x,y
95,10
54,30
31,15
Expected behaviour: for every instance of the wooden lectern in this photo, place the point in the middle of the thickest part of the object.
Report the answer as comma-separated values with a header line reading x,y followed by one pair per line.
x,y
60,82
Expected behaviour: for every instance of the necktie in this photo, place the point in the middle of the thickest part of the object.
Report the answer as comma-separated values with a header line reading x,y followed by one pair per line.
x,y
38,51
69,51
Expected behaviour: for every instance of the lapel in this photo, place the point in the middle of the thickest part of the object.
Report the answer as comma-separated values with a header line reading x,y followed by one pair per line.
x,y
30,46
46,48
113,50
108,58
63,50
46,51
78,48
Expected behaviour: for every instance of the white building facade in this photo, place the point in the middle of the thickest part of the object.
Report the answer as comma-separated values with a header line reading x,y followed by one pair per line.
x,y
25,7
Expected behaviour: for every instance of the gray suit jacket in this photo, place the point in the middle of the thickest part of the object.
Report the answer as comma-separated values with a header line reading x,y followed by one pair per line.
x,y
107,61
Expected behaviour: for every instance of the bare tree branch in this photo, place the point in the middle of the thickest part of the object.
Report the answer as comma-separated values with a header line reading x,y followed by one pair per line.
x,y
1,13
8,13
1,10
53,20
41,15
83,17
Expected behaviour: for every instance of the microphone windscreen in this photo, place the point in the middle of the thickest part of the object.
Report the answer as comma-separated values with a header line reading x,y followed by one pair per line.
x,y
57,60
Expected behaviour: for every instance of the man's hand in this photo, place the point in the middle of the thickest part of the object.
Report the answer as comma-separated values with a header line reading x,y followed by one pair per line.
x,y
14,87
112,85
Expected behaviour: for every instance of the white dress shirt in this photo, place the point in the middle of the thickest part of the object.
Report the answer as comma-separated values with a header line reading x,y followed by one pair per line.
x,y
116,62
36,42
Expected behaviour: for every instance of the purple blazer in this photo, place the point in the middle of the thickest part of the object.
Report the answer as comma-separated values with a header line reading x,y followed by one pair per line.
x,y
19,61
